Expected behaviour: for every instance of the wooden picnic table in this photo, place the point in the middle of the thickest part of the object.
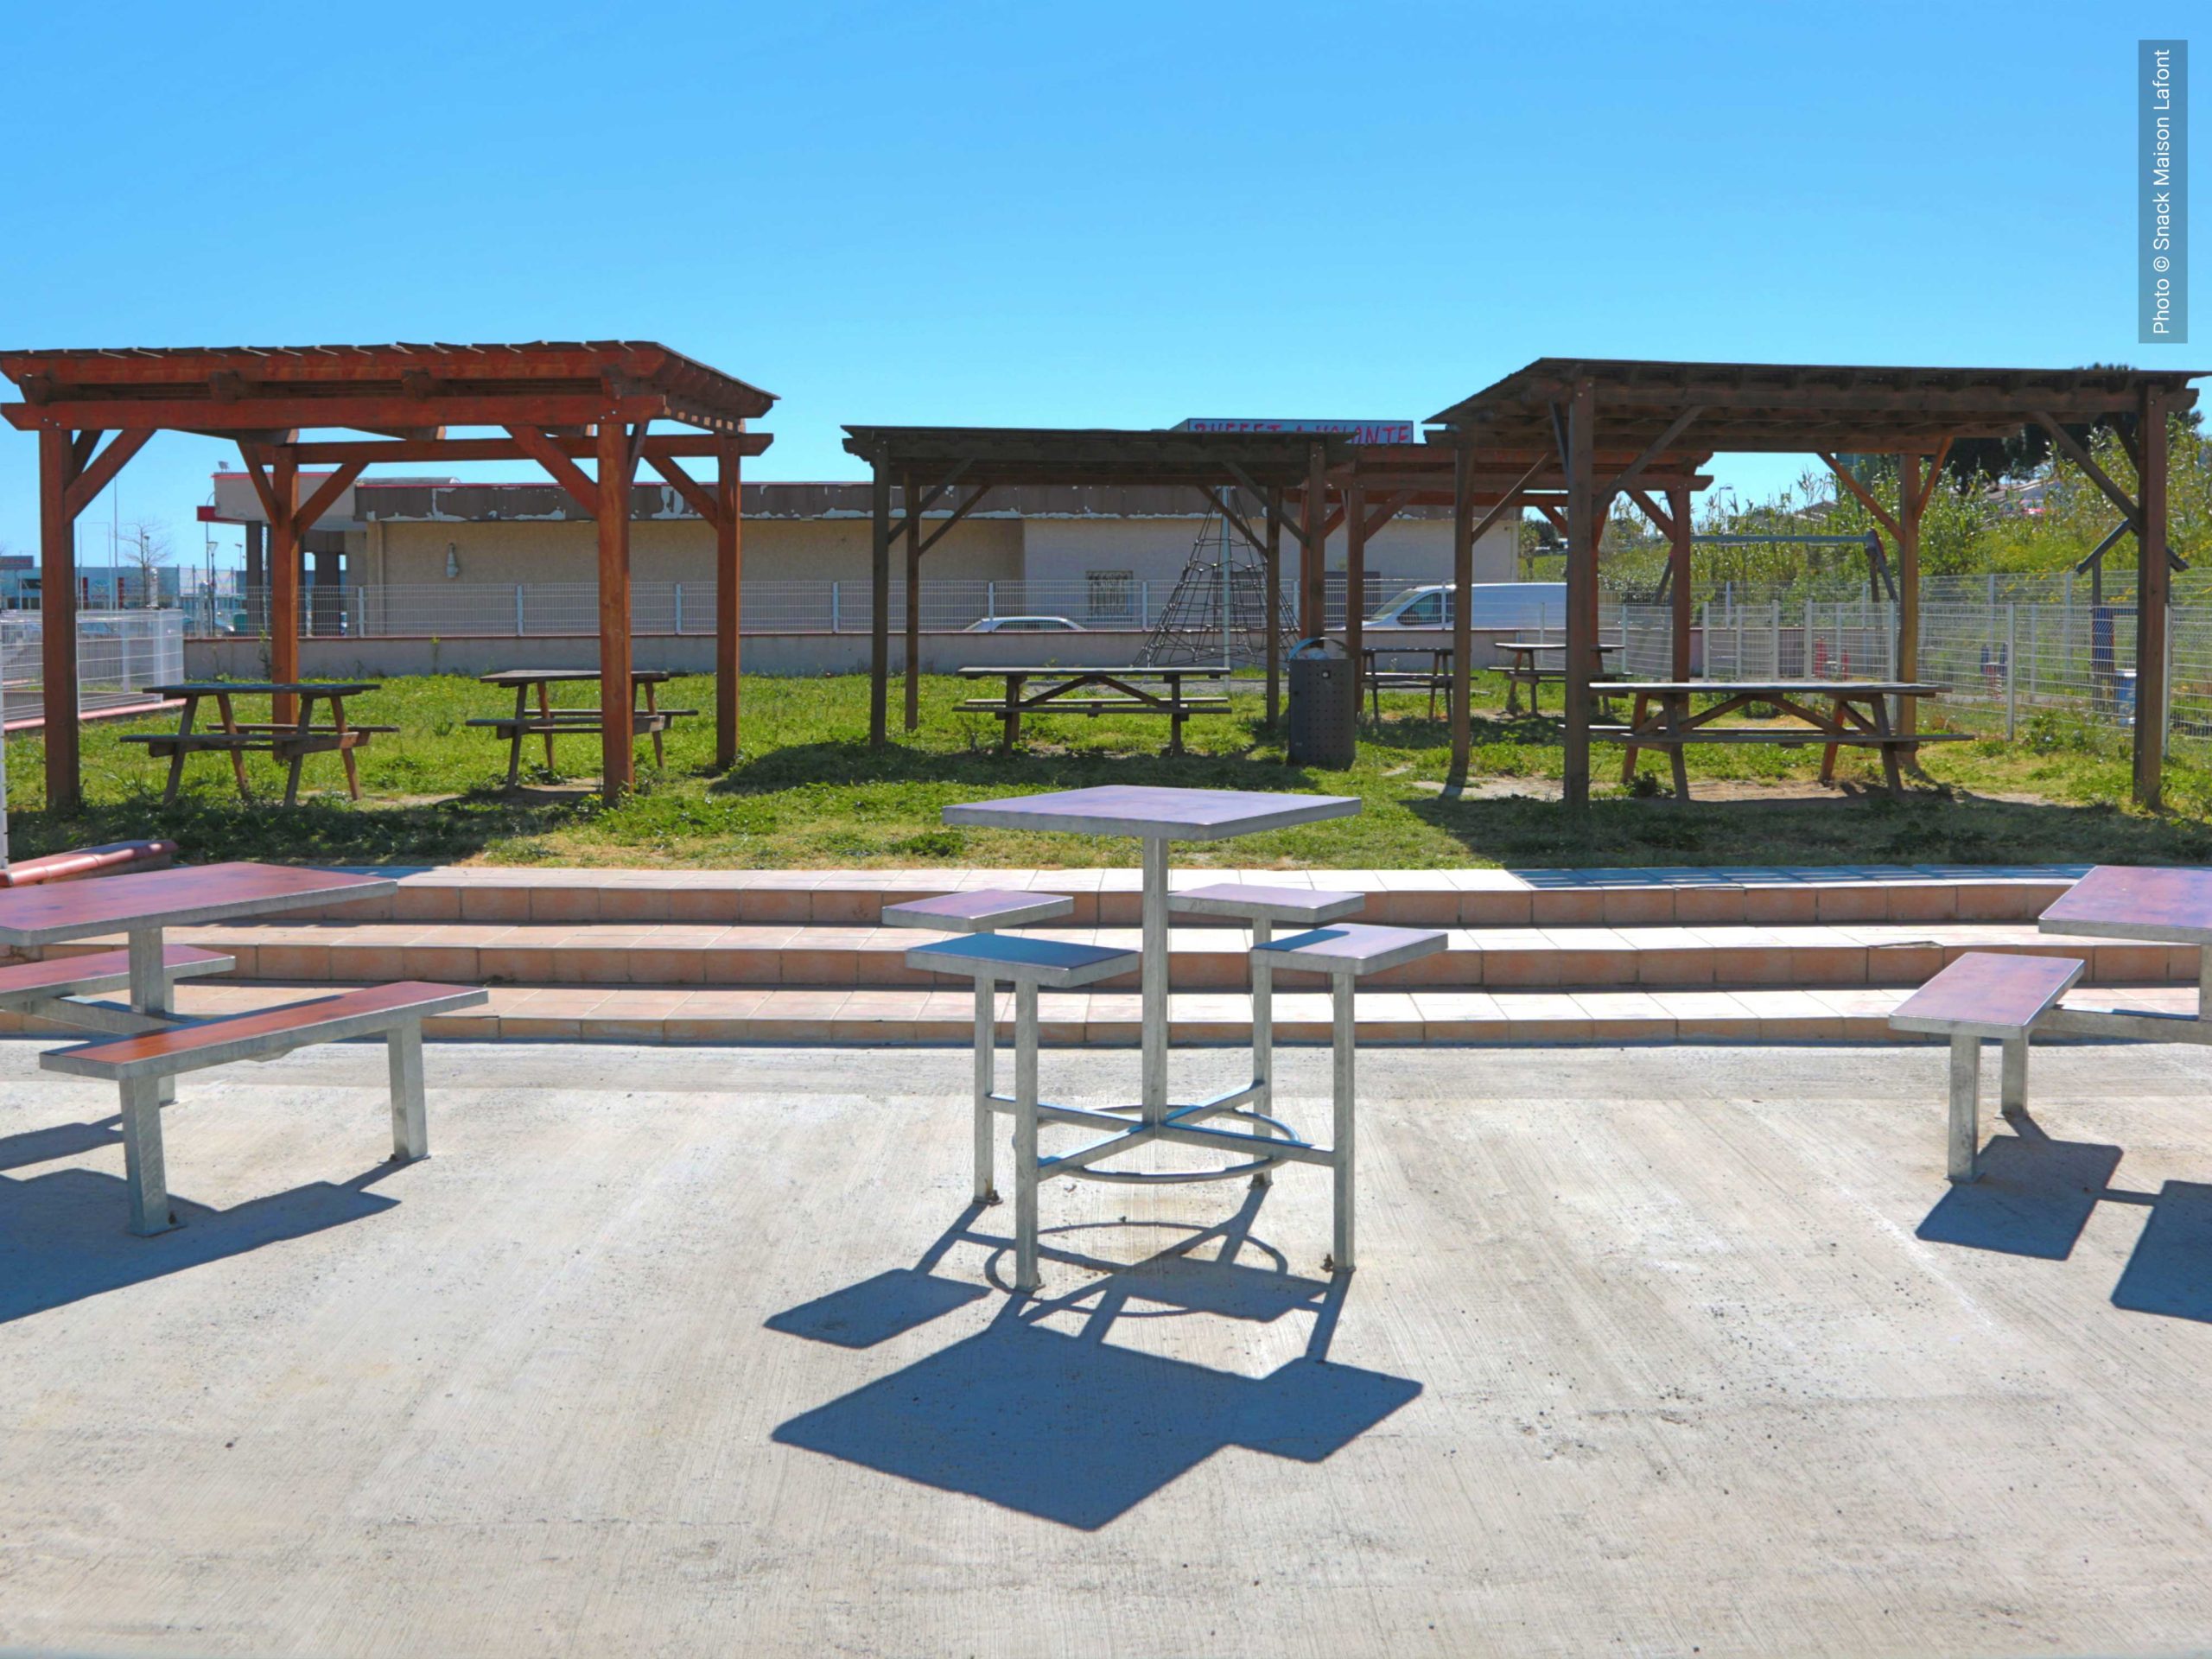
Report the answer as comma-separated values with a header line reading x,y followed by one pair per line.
x,y
1110,691
1436,678
1856,715
290,742
549,723
1522,668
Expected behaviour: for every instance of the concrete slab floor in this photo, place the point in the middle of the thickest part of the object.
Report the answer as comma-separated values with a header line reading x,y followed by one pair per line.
x,y
683,1351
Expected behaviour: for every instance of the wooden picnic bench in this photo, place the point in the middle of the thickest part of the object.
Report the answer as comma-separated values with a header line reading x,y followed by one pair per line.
x,y
1435,679
290,742
1094,691
548,722
1522,668
1856,715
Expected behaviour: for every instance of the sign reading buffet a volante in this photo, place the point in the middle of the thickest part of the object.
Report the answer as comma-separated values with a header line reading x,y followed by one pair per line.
x,y
1358,431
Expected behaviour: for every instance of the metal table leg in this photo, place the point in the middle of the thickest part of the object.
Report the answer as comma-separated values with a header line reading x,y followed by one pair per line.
x,y
987,1189
1263,1036
143,1168
1965,1101
1025,1277
1155,979
151,993
1341,1043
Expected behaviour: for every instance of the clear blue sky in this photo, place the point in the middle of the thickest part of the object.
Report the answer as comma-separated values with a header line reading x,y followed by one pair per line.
x,y
1062,213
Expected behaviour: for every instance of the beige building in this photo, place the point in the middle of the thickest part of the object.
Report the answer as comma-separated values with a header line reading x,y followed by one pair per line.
x,y
401,556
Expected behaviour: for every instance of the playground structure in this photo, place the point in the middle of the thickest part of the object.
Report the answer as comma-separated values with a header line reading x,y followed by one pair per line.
x,y
1223,608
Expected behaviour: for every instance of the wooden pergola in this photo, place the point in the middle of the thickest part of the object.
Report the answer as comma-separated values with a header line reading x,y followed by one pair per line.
x,y
961,465
1585,416
552,402
1377,482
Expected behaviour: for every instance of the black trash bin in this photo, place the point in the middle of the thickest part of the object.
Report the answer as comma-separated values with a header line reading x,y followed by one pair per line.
x,y
1324,706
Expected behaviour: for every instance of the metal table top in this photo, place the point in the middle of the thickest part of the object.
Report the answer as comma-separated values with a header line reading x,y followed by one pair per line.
x,y
266,688
2173,906
1154,813
1786,688
206,892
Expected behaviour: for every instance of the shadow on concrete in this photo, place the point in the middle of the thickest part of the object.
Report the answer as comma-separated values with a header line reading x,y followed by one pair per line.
x,y
1078,1429
59,1140
2170,1271
876,1310
2034,1197
65,1236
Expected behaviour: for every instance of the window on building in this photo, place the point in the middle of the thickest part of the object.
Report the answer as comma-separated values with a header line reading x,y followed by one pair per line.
x,y
1112,595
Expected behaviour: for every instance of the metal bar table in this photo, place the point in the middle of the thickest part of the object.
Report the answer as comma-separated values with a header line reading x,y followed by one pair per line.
x,y
1157,817
2157,907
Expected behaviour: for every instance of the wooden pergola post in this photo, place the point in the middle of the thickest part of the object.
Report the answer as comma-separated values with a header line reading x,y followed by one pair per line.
x,y
729,566
1909,506
1463,625
1355,580
1680,531
284,575
2153,594
913,514
1582,533
618,743
57,527
1272,557
1313,607
879,643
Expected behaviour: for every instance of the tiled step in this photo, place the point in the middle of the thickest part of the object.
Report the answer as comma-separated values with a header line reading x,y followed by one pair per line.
x,y
542,1014
1109,896
1201,958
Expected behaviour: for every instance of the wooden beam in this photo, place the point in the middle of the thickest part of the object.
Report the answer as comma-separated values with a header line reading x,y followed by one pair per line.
x,y
326,497
974,500
704,502
256,472
617,694
1661,520
1383,514
698,446
729,570
910,508
100,472
1906,530
570,477
1466,532
1850,482
2076,453
1935,475
57,549
1652,451
2153,594
365,414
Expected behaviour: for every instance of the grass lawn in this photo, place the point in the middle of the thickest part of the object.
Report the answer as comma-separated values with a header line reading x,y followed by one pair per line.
x,y
809,792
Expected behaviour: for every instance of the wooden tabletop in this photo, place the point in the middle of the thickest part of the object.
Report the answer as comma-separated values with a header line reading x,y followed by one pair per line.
x,y
1782,688
1551,645
189,894
984,671
1165,814
267,688
2117,902
514,677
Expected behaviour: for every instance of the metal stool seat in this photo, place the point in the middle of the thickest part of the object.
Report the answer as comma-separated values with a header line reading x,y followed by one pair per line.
x,y
1031,964
1344,952
984,911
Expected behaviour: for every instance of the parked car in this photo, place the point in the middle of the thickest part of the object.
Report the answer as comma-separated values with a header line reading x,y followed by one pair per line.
x,y
1025,625
1491,605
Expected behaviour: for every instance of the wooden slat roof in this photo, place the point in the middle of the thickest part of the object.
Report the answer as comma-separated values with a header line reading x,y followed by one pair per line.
x,y
1798,406
1016,454
218,386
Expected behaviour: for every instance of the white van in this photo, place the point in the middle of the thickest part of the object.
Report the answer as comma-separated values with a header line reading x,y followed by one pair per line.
x,y
1490,605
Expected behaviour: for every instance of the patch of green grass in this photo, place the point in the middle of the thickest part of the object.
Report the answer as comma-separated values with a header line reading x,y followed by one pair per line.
x,y
809,792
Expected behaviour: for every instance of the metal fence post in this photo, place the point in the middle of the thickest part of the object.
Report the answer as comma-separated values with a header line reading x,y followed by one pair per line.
x,y
1144,603
991,601
518,625
2011,669
679,607
833,606
2166,690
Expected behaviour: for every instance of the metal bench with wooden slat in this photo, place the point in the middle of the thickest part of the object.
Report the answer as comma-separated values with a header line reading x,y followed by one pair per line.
x,y
25,985
139,1064
1985,996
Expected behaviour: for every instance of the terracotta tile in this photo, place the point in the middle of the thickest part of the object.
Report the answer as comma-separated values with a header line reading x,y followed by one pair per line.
x,y
1829,965
1497,909
1780,904
452,964
495,905
289,962
367,962
1695,905
1923,901
1637,906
